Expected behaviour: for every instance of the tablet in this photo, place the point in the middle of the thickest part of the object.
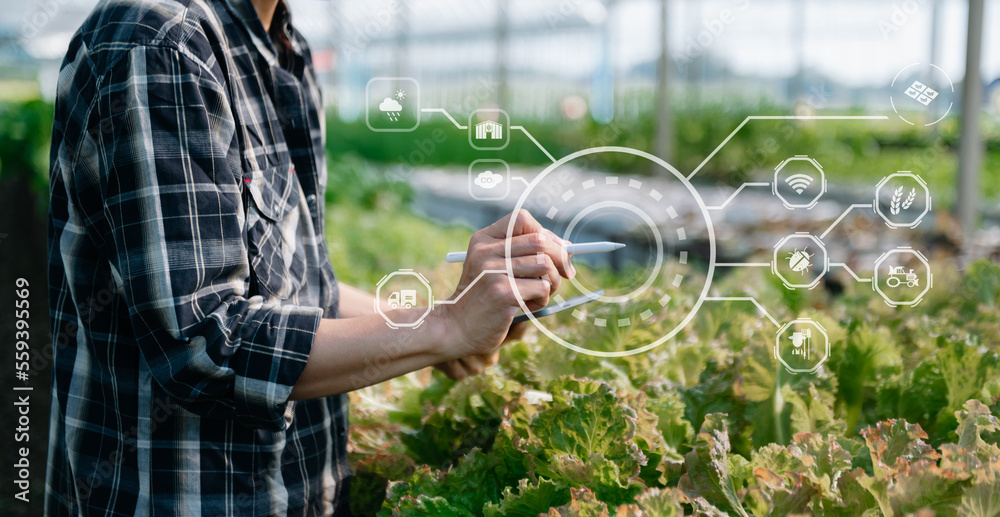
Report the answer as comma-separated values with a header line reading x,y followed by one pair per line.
x,y
559,307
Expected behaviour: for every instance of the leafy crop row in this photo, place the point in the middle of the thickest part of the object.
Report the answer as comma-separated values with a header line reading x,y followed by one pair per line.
x,y
901,420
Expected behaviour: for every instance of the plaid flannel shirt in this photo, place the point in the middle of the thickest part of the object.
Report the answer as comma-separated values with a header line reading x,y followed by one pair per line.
x,y
188,270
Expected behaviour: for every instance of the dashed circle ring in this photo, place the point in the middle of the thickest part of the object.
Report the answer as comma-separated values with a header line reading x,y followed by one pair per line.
x,y
671,212
656,235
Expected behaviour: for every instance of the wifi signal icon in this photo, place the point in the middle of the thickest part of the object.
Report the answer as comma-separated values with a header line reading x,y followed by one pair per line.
x,y
799,182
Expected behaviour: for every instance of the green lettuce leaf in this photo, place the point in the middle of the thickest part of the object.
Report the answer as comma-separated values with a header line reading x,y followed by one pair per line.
x,y
895,443
423,505
664,402
371,478
467,417
823,458
596,473
661,502
775,458
787,493
855,499
424,481
479,478
529,499
924,485
708,467
650,441
582,504
582,425
974,420
981,500
812,412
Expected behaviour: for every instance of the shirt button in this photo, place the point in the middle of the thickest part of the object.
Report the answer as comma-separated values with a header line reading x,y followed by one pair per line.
x,y
311,199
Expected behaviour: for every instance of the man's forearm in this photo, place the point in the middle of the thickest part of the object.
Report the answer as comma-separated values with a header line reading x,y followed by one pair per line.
x,y
355,303
352,353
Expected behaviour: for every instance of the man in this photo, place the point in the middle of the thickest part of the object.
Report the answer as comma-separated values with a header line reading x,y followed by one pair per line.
x,y
203,347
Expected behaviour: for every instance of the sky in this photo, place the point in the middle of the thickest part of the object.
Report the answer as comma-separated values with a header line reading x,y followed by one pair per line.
x,y
857,42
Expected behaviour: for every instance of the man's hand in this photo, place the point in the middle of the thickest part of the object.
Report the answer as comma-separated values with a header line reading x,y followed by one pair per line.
x,y
459,369
462,337
480,318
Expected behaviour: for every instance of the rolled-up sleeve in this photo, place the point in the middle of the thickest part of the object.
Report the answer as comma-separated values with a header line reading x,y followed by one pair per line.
x,y
174,223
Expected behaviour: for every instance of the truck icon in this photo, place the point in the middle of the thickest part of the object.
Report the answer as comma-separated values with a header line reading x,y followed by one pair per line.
x,y
897,276
405,297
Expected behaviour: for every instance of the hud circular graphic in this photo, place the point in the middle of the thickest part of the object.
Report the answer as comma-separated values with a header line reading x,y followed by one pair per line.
x,y
922,90
582,216
662,216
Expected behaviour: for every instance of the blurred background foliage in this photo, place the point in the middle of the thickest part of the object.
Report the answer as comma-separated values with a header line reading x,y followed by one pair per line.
x,y
359,158
851,154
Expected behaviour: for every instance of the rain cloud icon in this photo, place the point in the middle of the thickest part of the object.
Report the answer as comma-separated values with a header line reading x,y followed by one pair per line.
x,y
488,180
391,107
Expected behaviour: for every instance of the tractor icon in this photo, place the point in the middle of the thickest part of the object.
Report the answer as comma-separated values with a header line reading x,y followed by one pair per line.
x,y
405,297
799,260
898,276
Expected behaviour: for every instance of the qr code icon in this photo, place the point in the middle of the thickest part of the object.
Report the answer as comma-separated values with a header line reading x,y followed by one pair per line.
x,y
921,93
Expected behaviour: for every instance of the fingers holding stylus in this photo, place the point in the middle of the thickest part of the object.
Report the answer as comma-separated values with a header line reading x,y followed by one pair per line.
x,y
537,266
535,246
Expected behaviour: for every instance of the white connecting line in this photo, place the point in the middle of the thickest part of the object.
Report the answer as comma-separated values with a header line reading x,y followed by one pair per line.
x,y
744,299
526,133
768,264
851,271
743,186
472,283
842,216
782,117
460,126
441,110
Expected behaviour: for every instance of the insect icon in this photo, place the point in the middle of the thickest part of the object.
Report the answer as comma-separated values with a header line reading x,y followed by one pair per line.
x,y
799,260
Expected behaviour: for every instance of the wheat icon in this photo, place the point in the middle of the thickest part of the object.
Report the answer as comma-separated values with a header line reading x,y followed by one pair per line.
x,y
910,198
897,195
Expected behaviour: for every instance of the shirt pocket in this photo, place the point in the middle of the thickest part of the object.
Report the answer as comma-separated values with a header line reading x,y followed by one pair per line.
x,y
273,217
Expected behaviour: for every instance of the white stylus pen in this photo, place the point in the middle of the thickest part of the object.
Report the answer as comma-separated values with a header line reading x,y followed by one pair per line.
x,y
573,249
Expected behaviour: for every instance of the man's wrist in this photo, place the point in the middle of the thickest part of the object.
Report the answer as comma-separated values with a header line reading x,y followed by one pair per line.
x,y
442,335
433,338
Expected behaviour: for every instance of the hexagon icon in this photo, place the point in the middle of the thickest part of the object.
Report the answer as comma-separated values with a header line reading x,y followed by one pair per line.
x,y
902,199
800,261
403,289
802,345
902,277
799,182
